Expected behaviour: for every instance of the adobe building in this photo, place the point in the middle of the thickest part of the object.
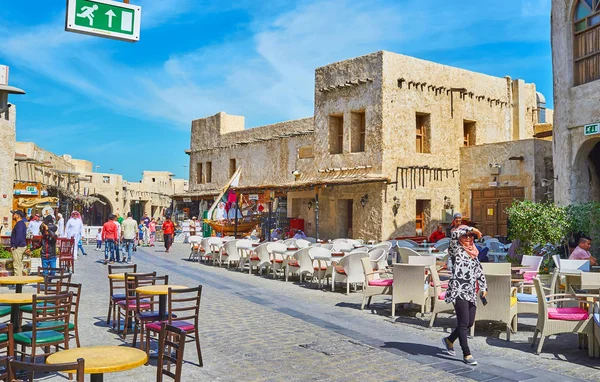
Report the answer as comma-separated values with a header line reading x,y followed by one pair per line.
x,y
576,68
395,146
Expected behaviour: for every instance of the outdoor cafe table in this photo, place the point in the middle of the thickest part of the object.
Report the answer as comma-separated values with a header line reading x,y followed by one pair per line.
x,y
102,359
161,291
15,300
19,281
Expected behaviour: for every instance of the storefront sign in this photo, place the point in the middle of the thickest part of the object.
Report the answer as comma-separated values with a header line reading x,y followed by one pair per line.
x,y
29,190
253,197
591,129
187,200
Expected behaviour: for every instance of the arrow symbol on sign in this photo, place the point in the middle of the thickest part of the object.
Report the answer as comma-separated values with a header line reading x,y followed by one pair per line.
x,y
110,15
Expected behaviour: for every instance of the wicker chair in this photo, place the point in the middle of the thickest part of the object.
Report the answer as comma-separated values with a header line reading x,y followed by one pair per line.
x,y
405,253
374,285
527,303
437,291
410,286
502,303
496,268
561,320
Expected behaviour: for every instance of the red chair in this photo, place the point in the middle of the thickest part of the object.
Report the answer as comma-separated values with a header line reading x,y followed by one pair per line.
x,y
65,258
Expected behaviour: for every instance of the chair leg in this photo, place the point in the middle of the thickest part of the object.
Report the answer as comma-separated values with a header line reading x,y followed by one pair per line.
x,y
135,332
109,311
77,335
541,344
362,306
369,302
197,338
535,334
432,319
347,288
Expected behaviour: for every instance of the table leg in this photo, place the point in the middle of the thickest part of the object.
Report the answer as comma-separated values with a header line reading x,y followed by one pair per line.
x,y
162,307
97,377
14,317
19,288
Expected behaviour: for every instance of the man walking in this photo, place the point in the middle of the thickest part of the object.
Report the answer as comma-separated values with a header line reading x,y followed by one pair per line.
x,y
18,241
110,238
118,240
168,232
128,232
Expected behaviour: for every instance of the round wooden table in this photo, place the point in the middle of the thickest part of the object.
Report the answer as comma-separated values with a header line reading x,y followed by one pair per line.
x,y
161,291
19,281
102,359
15,300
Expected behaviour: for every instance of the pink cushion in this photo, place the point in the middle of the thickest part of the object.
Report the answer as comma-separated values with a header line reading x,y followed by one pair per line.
x,y
529,275
442,296
568,314
143,305
185,326
381,282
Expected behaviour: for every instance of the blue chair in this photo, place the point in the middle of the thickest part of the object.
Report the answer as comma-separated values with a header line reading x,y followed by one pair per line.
x,y
483,257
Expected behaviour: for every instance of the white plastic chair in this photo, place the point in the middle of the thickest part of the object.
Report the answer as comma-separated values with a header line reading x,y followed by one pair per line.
x,y
350,270
533,262
276,251
301,243
322,267
261,258
301,264
342,246
212,250
496,246
195,247
230,254
442,246
244,247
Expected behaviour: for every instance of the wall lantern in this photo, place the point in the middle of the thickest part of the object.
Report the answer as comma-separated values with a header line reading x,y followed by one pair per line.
x,y
310,204
363,200
396,206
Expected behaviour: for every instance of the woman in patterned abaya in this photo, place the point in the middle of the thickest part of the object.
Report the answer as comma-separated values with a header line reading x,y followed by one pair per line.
x,y
467,275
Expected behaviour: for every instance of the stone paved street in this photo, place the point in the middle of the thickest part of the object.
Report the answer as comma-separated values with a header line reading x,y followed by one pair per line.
x,y
258,329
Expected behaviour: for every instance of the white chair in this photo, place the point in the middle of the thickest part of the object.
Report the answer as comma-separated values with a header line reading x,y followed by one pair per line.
x,y
312,240
358,250
230,254
213,250
378,256
422,260
405,244
553,320
289,242
277,250
405,253
410,286
301,264
527,303
556,259
533,262
414,243
301,243
350,270
496,268
438,295
261,258
502,303
442,241
244,247
195,247
486,238
327,245
339,241
496,246
342,246
322,267
574,266
374,285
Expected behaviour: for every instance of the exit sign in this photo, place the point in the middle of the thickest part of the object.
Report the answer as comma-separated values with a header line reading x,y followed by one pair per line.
x,y
591,129
104,18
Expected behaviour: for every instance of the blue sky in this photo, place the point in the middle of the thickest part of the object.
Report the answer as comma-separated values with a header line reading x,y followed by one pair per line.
x,y
129,106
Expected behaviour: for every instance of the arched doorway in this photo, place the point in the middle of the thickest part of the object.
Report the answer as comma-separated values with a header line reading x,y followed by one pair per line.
x,y
585,177
96,213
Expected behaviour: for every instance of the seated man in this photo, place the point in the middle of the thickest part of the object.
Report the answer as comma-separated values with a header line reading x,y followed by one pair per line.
x,y
582,252
437,234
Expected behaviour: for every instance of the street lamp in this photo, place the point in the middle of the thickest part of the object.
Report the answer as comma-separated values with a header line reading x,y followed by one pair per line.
x,y
5,89
97,167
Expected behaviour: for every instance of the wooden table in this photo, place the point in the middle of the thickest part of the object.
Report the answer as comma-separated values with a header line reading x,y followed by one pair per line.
x,y
15,300
120,276
102,359
161,291
19,281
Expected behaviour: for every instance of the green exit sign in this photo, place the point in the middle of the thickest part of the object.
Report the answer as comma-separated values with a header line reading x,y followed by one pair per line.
x,y
591,129
104,18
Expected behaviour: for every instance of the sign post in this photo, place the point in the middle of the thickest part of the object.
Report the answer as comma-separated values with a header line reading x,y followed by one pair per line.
x,y
104,18
591,129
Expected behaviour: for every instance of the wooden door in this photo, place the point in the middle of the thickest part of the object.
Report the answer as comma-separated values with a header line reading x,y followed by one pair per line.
x,y
489,206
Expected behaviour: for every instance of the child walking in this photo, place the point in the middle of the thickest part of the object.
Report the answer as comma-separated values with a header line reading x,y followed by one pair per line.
x,y
99,240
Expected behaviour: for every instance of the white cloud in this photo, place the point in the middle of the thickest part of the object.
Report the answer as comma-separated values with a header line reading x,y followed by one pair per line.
x,y
267,75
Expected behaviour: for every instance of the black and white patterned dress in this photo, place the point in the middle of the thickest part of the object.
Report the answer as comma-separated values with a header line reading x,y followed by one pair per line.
x,y
466,272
